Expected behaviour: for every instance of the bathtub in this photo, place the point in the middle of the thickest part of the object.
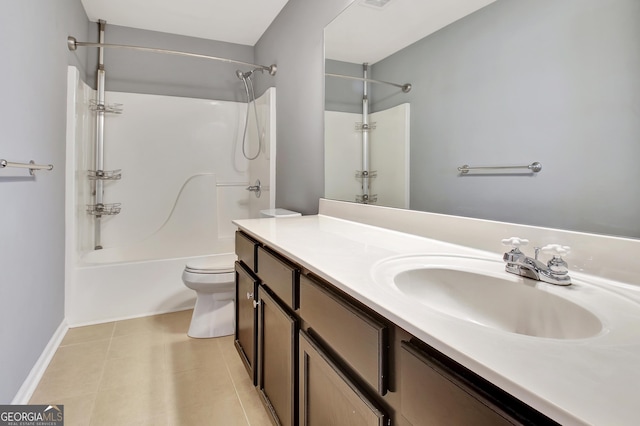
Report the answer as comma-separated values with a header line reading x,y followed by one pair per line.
x,y
144,277
128,289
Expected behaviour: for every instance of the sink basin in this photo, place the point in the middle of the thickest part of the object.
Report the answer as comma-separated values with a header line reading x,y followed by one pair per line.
x,y
480,291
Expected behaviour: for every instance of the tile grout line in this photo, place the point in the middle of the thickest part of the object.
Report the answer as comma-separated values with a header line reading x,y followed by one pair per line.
x,y
233,382
168,372
165,364
104,367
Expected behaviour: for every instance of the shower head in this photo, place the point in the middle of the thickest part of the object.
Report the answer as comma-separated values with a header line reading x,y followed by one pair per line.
x,y
243,75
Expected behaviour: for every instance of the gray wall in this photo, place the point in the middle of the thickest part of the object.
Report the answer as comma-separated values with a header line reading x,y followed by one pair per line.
x,y
522,81
152,73
295,42
33,126
342,94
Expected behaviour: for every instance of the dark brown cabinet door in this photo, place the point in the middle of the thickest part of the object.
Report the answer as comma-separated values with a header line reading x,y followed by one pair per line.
x,y
327,396
277,358
246,318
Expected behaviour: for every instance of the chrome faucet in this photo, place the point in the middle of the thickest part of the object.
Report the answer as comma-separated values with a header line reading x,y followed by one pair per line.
x,y
555,271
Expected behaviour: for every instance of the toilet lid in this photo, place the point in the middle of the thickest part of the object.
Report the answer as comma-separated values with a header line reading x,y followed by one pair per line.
x,y
220,263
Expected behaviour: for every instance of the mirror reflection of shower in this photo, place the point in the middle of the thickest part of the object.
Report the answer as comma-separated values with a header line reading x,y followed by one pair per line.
x,y
251,98
374,144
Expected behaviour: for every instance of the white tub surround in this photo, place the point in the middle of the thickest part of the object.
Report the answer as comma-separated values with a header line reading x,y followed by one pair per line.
x,y
183,179
573,381
389,155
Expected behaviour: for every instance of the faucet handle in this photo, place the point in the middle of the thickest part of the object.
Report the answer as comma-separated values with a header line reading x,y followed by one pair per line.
x,y
514,255
557,265
556,250
515,242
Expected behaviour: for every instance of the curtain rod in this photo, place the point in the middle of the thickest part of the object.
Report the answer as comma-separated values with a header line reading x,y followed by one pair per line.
x,y
73,44
406,88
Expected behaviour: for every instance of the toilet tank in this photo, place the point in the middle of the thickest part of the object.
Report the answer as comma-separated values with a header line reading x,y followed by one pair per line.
x,y
278,213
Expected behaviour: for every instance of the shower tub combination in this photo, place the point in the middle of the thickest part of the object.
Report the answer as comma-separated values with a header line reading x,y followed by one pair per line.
x,y
184,179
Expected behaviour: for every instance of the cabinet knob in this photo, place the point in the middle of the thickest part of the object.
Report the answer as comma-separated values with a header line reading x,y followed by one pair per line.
x,y
249,295
255,304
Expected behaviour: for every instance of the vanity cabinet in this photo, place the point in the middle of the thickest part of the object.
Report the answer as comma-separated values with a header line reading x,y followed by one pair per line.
x,y
324,358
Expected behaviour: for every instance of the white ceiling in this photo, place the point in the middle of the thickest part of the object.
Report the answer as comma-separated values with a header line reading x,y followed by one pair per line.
x,y
363,33
233,21
360,34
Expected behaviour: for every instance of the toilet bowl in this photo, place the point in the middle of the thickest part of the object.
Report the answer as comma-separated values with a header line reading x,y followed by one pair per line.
x,y
213,280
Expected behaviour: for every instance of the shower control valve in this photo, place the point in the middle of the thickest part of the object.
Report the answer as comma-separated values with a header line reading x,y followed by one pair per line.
x,y
257,188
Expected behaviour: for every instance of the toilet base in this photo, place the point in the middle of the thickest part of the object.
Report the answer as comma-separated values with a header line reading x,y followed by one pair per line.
x,y
213,316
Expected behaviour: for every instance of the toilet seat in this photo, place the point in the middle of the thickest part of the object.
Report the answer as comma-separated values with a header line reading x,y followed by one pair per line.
x,y
218,264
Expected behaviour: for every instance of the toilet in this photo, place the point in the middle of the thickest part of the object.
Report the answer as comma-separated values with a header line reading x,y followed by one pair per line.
x,y
213,280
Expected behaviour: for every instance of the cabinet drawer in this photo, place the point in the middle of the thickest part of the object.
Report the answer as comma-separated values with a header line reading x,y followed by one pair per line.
x,y
246,248
280,275
359,339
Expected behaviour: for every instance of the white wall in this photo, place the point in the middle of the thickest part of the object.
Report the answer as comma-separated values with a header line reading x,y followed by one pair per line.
x,y
263,167
32,126
162,145
160,142
342,155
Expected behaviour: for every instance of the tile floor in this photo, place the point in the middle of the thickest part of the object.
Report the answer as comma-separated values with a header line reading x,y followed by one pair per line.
x,y
146,371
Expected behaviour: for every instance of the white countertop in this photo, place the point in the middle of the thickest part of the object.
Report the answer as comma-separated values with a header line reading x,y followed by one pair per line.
x,y
581,381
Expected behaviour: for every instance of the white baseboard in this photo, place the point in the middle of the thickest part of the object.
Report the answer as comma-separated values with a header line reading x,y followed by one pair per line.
x,y
31,382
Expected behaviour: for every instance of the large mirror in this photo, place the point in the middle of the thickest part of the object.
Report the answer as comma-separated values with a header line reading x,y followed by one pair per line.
x,y
493,83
